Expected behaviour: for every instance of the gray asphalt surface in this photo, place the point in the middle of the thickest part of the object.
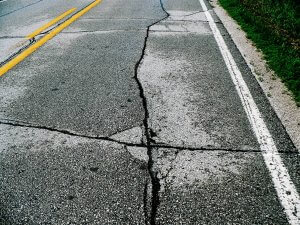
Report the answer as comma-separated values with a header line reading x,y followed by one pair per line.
x,y
129,116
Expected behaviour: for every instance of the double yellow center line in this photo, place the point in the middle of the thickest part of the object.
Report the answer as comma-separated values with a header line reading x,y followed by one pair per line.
x,y
47,37
52,22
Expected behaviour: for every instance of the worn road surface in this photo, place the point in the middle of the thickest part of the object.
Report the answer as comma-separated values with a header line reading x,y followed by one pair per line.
x,y
138,112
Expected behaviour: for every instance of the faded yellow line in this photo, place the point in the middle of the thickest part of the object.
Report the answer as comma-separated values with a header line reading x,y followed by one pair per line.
x,y
44,39
52,22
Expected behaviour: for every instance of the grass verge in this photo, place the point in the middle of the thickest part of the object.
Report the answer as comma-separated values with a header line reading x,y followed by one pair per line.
x,y
274,26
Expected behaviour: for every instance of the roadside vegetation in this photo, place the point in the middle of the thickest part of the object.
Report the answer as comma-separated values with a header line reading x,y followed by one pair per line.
x,y
274,26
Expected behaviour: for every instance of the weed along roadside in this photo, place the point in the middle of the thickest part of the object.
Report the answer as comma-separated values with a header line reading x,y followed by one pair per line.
x,y
274,27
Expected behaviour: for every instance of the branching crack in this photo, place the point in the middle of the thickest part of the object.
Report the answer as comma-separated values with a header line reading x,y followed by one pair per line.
x,y
101,31
67,132
171,166
193,21
17,123
155,183
213,148
194,13
30,42
203,148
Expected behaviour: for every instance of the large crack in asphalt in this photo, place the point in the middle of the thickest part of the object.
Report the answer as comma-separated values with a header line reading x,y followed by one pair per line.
x,y
150,209
150,218
26,44
16,123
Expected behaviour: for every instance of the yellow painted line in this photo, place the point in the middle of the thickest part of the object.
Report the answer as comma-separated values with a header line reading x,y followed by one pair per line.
x,y
44,39
52,22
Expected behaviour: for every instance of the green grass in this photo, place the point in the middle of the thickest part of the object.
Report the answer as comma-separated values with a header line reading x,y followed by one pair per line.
x,y
274,26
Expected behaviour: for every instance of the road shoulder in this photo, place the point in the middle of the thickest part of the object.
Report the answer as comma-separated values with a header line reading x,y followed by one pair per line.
x,y
278,95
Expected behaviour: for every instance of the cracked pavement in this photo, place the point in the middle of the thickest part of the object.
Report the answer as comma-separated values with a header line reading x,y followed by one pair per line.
x,y
129,116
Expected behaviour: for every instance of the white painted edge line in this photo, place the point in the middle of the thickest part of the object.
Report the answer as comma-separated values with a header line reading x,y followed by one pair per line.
x,y
284,186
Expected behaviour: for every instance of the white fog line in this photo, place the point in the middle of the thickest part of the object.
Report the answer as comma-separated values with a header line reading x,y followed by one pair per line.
x,y
284,186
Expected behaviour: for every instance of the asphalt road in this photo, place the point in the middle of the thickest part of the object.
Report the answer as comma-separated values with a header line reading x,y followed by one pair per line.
x,y
132,115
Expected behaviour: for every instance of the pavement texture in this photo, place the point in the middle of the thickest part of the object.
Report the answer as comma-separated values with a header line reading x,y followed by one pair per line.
x,y
188,91
75,94
58,179
215,188
129,116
